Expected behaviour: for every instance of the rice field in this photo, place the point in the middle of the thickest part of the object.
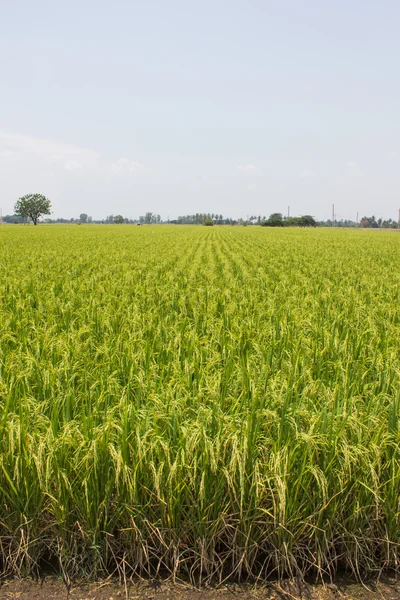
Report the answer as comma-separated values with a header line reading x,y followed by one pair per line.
x,y
209,403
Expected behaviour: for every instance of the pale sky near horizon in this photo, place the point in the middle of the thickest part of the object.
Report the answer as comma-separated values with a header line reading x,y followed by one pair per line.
x,y
176,107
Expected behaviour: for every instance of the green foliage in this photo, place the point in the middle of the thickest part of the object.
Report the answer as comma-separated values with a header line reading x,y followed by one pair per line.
x,y
306,221
14,219
367,222
208,222
274,220
118,219
303,221
33,206
208,401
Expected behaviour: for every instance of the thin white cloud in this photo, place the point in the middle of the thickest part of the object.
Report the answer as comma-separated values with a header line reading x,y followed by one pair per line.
x,y
354,168
7,154
305,173
72,165
125,165
49,154
48,151
249,168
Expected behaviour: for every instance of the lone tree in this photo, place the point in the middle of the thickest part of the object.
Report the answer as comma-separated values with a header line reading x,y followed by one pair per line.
x,y
32,206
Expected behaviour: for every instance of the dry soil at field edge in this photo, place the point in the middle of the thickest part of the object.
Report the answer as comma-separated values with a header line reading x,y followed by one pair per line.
x,y
54,589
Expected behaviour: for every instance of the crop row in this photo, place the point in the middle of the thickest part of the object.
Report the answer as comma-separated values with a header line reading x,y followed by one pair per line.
x,y
211,402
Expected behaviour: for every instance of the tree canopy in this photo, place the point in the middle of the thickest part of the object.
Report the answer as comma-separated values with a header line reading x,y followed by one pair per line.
x,y
274,220
32,206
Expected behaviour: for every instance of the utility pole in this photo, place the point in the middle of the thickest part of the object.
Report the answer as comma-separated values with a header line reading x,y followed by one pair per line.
x,y
357,220
288,211
333,215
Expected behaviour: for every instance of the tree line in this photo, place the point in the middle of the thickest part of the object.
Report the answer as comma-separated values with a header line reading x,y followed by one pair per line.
x,y
33,206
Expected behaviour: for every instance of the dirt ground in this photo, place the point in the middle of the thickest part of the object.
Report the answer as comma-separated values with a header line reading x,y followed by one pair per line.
x,y
55,589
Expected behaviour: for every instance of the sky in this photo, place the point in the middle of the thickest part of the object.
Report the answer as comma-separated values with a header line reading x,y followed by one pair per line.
x,y
236,107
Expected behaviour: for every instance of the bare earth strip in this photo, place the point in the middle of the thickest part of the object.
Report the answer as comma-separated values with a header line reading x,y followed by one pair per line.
x,y
55,589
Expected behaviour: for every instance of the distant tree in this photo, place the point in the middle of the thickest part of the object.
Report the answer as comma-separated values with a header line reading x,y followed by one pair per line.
x,y
369,222
274,220
291,222
14,219
208,222
32,206
118,219
83,218
307,221
148,217
389,224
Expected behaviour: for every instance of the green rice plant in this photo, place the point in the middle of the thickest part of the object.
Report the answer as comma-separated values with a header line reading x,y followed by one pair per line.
x,y
205,402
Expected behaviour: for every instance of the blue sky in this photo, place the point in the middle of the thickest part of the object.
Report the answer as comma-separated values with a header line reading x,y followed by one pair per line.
x,y
239,107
